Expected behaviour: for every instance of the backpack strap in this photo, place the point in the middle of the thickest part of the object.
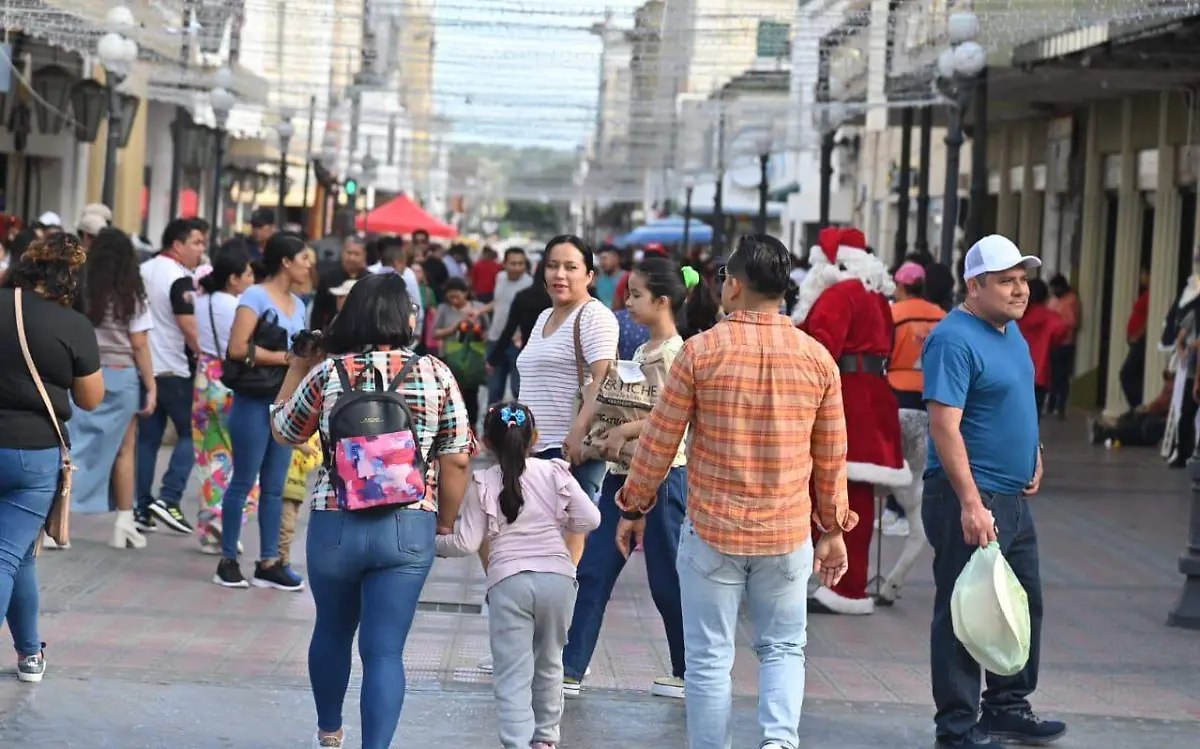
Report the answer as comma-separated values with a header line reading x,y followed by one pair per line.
x,y
340,367
408,367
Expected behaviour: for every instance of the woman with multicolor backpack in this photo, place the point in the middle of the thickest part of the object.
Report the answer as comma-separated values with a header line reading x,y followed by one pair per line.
x,y
397,452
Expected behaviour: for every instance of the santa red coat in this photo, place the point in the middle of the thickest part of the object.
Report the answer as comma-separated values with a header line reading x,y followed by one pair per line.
x,y
849,319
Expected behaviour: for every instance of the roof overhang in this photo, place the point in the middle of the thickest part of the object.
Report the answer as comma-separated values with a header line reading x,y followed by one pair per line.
x,y
1108,35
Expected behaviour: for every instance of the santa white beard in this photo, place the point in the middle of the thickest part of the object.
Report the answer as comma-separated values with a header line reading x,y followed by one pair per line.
x,y
852,263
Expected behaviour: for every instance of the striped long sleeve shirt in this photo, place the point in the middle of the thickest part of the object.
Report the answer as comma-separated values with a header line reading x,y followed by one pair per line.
x,y
764,401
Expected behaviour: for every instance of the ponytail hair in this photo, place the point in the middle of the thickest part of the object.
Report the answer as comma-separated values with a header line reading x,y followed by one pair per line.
x,y
508,429
702,308
692,301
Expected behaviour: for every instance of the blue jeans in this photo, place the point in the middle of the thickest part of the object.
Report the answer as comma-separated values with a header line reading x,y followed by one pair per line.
x,y
503,372
174,403
366,570
776,590
589,474
256,457
28,483
954,673
602,563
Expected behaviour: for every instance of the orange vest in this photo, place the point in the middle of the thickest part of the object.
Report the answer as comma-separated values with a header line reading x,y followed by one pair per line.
x,y
914,319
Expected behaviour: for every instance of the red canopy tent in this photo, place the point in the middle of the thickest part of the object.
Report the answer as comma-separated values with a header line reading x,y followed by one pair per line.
x,y
402,216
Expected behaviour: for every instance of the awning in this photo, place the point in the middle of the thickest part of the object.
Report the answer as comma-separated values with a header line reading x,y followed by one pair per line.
x,y
402,216
667,230
1080,40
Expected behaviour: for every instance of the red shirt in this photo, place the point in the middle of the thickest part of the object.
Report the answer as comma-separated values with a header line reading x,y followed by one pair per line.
x,y
483,276
1044,330
1139,318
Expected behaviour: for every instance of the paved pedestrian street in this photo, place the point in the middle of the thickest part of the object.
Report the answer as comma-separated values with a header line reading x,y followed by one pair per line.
x,y
144,651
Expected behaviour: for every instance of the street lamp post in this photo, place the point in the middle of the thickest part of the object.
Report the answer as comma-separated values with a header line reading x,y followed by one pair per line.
x,y
370,173
285,129
117,53
223,101
957,68
763,141
689,185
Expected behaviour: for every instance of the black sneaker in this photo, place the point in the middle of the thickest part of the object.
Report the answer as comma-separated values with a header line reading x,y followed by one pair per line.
x,y
31,668
277,576
172,516
229,575
1021,727
976,739
144,521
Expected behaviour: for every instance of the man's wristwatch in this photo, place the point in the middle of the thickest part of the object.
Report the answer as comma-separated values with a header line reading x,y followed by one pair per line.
x,y
632,515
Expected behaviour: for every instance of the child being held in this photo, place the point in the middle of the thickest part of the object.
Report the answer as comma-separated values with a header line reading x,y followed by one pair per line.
x,y
521,508
305,460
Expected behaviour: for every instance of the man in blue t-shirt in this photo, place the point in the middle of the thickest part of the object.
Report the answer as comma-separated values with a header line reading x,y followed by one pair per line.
x,y
984,460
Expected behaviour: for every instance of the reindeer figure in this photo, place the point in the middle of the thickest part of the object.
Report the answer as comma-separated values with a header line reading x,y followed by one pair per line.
x,y
914,433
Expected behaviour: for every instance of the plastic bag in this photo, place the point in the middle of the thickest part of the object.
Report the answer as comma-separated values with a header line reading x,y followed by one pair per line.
x,y
990,612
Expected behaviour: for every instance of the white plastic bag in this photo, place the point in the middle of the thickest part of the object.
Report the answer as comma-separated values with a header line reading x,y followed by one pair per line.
x,y
990,611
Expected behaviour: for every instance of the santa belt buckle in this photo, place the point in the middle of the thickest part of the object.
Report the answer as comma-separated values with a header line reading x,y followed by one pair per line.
x,y
863,364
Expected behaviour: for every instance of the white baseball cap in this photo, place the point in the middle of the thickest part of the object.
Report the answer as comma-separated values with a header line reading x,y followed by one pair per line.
x,y
100,210
993,254
91,223
50,218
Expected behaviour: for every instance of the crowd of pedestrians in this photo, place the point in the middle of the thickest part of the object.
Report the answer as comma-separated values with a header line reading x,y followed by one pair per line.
x,y
657,407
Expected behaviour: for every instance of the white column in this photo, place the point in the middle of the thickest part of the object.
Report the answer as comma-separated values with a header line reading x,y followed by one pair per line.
x,y
1029,222
1164,266
1006,208
1091,255
160,154
1124,279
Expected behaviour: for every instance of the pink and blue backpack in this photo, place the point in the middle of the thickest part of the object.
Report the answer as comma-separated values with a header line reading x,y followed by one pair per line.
x,y
373,452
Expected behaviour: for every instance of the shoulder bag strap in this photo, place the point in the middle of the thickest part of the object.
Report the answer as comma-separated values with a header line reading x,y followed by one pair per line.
x,y
212,320
579,359
37,378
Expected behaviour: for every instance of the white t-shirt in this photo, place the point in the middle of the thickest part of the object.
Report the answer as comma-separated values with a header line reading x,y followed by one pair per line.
x,y
224,310
549,378
506,291
170,292
410,282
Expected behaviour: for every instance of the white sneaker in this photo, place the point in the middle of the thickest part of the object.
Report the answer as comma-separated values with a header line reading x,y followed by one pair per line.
x,y
50,543
668,686
888,518
899,528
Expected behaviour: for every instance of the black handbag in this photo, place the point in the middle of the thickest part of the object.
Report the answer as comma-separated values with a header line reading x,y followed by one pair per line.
x,y
246,379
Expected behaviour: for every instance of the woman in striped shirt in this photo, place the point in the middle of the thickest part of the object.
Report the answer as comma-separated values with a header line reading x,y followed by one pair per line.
x,y
550,362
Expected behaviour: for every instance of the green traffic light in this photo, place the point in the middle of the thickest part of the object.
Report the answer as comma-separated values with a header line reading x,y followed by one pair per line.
x,y
351,186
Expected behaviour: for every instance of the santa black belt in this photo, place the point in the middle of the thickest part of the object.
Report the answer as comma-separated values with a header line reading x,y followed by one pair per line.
x,y
863,364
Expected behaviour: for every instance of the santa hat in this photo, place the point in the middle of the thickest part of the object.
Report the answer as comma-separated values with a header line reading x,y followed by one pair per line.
x,y
840,255
837,245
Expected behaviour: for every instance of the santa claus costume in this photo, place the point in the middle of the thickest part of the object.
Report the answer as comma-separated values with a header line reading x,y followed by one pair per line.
x,y
843,303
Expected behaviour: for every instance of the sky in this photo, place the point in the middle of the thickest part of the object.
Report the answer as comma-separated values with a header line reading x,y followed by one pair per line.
x,y
521,72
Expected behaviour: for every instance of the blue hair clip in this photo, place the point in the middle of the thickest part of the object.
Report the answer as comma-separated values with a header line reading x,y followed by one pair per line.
x,y
512,416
